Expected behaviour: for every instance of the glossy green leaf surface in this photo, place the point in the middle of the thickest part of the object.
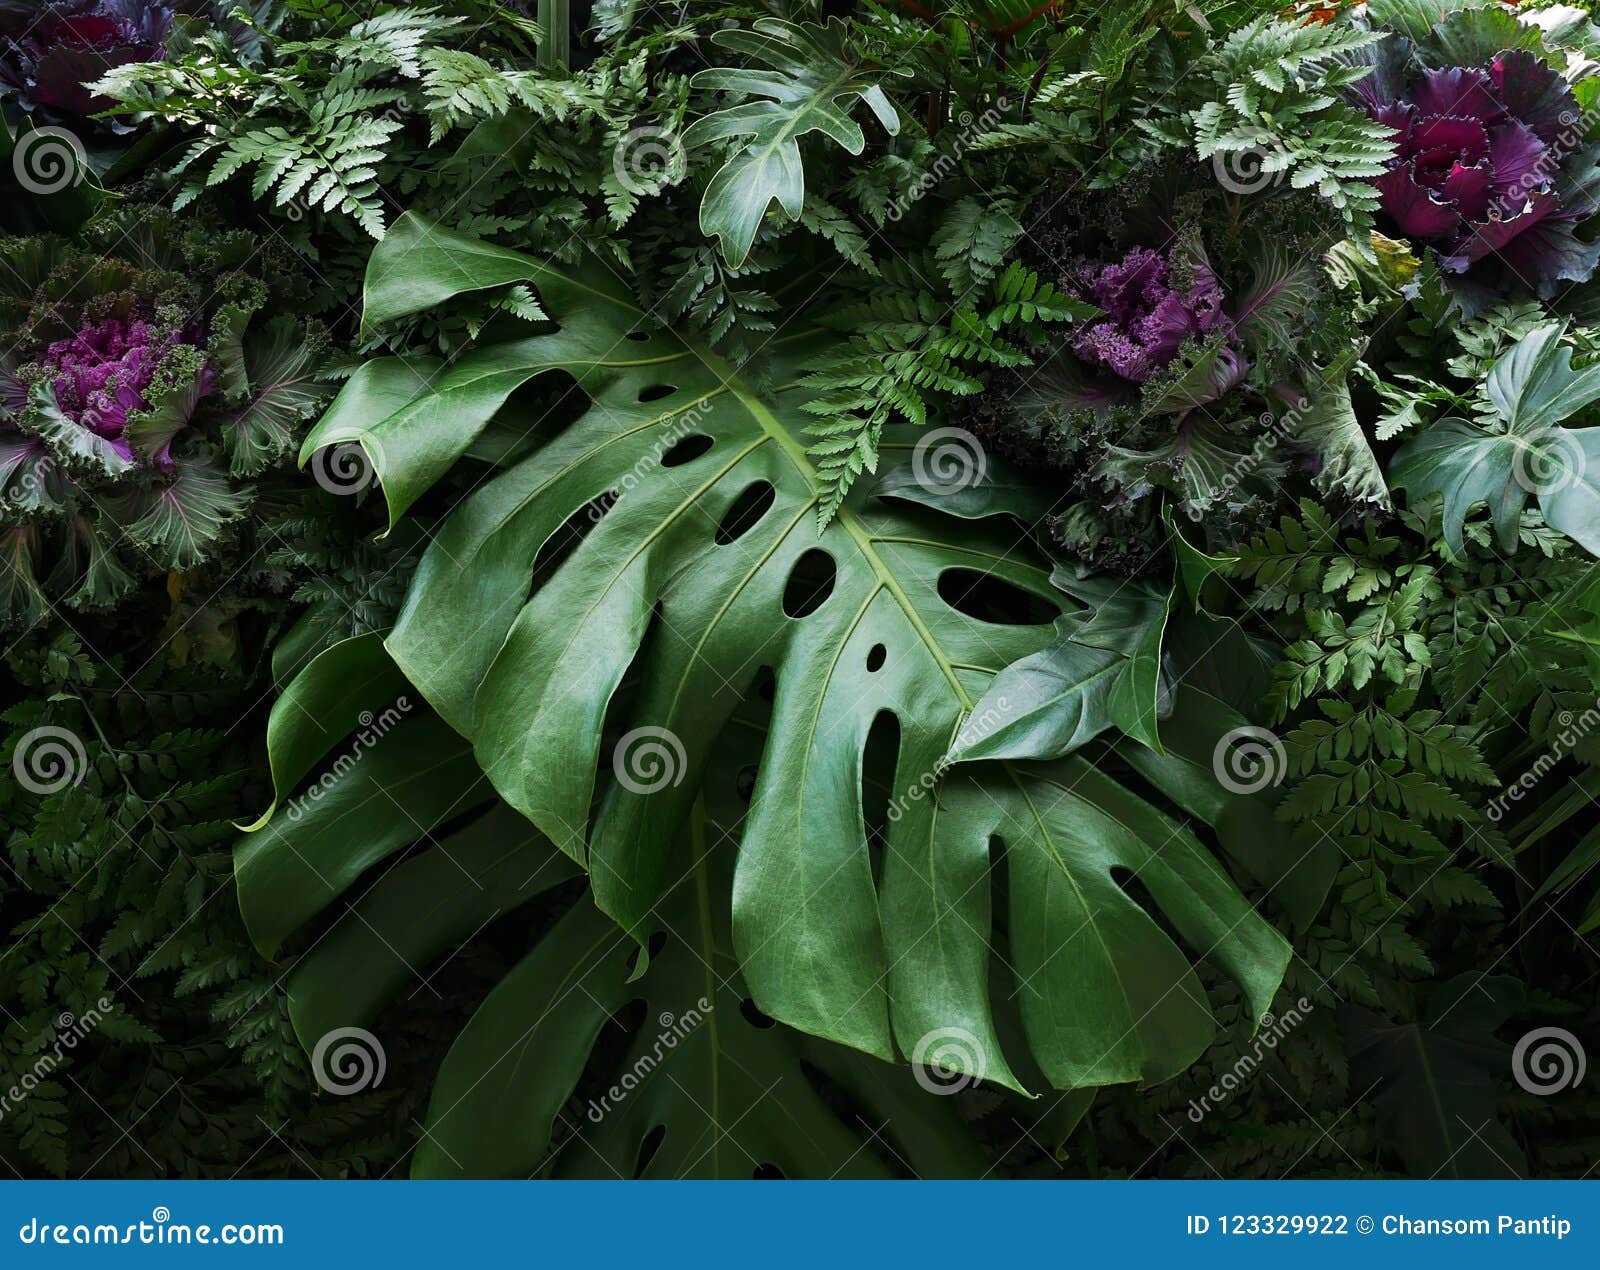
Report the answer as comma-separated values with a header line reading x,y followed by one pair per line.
x,y
1532,389
674,1074
808,84
706,568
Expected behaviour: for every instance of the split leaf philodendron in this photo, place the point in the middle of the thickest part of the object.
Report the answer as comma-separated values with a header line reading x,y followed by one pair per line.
x,y
705,567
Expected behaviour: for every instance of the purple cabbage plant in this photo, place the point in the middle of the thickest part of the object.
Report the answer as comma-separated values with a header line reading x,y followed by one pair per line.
x,y
1491,171
142,400
51,53
106,375
1147,314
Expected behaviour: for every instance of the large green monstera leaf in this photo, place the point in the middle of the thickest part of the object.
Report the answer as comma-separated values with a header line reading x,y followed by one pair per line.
x,y
573,1065
700,569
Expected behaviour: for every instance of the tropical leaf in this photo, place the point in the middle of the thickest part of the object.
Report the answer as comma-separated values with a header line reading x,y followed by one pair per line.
x,y
1102,671
1196,741
550,1076
1530,390
706,567
813,83
1434,1077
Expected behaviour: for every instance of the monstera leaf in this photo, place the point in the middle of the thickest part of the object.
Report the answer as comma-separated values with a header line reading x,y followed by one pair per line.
x,y
699,567
1530,390
571,1066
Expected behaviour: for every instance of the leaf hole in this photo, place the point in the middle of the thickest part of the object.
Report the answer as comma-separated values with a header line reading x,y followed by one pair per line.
x,y
876,656
686,450
746,513
655,392
986,598
767,1173
1128,882
879,758
810,583
746,783
553,553
766,685
638,337
754,1015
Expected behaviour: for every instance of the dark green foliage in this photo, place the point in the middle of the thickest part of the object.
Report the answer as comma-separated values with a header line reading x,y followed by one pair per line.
x,y
1429,685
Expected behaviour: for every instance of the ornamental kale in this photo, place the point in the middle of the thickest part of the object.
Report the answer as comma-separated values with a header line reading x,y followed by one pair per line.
x,y
1491,171
51,58
1188,380
1148,314
145,381
103,373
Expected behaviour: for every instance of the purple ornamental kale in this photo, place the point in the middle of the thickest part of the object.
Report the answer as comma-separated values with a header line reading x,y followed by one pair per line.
x,y
102,374
1147,318
1490,168
50,53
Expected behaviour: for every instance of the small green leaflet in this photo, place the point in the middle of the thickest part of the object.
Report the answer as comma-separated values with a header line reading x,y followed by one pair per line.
x,y
1530,390
1102,671
810,88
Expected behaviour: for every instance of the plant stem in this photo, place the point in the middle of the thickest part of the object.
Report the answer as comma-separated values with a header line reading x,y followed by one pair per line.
x,y
555,17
